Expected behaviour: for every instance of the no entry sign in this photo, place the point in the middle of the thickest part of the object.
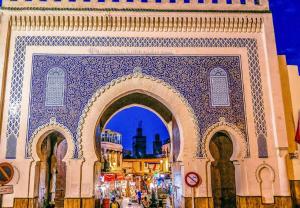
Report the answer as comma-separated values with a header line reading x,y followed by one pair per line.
x,y
6,173
192,179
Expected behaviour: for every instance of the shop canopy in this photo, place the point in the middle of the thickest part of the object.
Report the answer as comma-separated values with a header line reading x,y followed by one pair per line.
x,y
108,177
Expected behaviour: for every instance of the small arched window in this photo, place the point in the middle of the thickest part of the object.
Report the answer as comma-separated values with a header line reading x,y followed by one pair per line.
x,y
219,92
55,87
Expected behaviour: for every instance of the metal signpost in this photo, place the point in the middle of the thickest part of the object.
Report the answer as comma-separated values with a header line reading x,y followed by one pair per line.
x,y
6,175
9,189
193,180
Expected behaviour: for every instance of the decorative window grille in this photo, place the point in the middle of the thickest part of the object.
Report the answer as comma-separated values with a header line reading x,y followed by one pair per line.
x,y
219,91
55,87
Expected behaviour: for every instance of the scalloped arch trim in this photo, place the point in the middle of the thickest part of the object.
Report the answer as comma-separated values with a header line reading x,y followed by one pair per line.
x,y
47,128
237,137
135,75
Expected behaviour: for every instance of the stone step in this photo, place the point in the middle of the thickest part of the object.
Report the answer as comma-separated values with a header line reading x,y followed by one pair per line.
x,y
59,203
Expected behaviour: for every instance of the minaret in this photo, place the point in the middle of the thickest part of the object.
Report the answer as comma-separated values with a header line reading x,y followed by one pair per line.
x,y
139,142
157,144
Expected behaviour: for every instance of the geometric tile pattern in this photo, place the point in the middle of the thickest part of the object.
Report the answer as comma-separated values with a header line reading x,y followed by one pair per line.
x,y
22,42
85,74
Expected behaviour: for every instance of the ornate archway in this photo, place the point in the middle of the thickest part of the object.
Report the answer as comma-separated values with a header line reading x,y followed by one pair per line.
x,y
237,137
143,84
40,133
35,151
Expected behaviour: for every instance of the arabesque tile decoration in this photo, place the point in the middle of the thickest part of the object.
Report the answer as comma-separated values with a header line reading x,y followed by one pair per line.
x,y
84,74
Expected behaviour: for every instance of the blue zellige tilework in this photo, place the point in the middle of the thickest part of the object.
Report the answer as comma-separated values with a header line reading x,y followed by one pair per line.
x,y
157,66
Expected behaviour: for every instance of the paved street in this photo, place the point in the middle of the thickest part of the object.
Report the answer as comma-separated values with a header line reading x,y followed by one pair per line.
x,y
125,204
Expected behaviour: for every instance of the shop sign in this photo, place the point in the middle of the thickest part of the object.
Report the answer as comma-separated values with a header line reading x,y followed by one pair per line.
x,y
109,177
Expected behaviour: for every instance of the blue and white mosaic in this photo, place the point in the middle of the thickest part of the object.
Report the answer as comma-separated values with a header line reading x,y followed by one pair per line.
x,y
189,76
85,74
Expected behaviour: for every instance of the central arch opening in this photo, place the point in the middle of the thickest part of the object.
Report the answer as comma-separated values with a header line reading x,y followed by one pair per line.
x,y
134,139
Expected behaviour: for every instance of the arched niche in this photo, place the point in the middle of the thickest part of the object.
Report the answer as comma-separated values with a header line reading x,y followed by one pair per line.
x,y
40,134
236,136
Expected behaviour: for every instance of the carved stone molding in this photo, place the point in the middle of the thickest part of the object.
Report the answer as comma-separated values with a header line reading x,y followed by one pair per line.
x,y
137,74
116,22
140,5
260,167
223,125
52,125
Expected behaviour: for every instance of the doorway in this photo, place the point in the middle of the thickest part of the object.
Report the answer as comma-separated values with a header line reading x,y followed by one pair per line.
x,y
222,171
52,170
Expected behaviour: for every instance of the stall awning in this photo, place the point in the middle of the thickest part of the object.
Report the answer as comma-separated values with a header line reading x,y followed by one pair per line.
x,y
109,177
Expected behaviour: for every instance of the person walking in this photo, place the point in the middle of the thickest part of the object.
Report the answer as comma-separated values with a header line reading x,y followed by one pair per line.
x,y
114,203
139,196
145,202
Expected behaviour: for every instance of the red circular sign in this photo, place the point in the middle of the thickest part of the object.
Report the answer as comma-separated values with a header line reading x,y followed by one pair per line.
x,y
6,173
192,179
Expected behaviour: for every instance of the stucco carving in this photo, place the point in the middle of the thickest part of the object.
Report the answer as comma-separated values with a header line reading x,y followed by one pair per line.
x,y
123,22
260,167
53,125
265,176
238,139
137,74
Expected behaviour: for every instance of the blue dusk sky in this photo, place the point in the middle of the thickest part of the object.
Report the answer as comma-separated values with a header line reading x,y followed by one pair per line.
x,y
286,15
126,122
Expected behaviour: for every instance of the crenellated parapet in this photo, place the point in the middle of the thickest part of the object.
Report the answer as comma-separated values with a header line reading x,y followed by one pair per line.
x,y
117,22
147,5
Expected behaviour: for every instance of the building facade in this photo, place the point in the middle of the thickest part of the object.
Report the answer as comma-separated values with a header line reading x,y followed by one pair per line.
x,y
110,150
208,69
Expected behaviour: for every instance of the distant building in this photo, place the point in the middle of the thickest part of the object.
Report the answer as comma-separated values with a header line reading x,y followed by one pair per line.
x,y
127,153
109,148
166,148
157,144
139,143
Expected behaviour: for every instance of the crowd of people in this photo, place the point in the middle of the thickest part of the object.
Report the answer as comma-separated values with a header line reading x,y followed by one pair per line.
x,y
141,200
